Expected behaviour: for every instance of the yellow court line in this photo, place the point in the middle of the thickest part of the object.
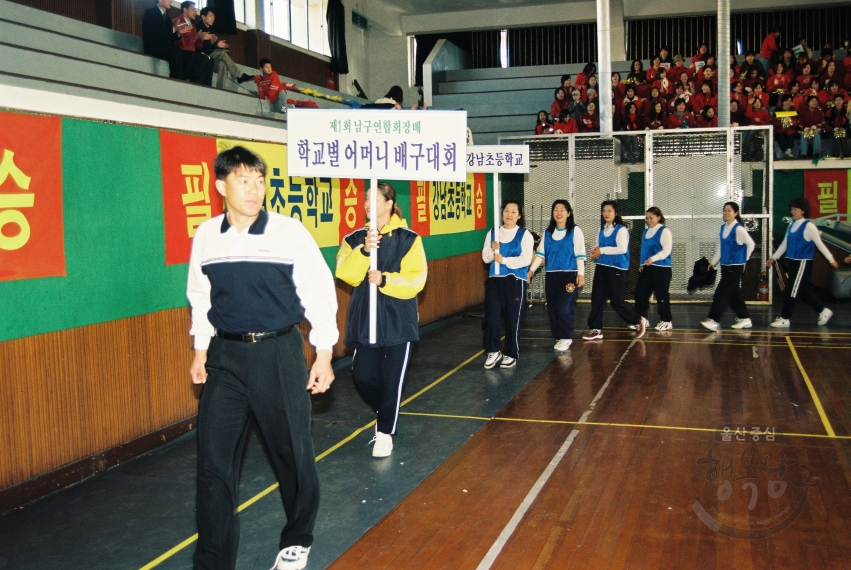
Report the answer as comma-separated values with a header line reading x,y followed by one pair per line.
x,y
163,557
828,428
611,424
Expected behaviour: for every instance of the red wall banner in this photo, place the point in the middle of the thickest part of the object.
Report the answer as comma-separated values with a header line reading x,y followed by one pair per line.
x,y
189,191
827,191
32,239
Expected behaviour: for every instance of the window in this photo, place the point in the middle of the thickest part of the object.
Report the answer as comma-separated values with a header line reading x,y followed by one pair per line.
x,y
301,22
277,18
317,36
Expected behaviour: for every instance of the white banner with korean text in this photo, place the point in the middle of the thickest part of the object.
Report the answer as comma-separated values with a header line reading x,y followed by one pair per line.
x,y
502,159
377,143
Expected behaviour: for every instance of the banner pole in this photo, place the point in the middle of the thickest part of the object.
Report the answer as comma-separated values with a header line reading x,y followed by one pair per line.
x,y
373,260
496,213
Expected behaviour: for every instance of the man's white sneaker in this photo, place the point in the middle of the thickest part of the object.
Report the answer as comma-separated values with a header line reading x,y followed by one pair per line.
x,y
493,359
563,344
780,323
664,326
824,316
383,445
709,324
742,324
508,362
292,558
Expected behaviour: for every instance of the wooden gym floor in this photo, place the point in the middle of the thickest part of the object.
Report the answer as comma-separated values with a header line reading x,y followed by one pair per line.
x,y
611,455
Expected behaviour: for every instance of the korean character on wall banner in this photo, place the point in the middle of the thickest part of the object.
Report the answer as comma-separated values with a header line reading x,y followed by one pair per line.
x,y
32,238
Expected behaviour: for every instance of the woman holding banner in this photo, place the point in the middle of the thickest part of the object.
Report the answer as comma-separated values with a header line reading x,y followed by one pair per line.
x,y
509,251
378,369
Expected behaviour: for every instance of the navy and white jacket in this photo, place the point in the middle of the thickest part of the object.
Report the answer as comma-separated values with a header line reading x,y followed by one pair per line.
x,y
268,277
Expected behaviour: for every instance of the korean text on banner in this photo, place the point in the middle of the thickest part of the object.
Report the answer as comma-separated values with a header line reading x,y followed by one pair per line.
x,y
32,239
371,143
312,200
827,191
189,191
505,159
449,207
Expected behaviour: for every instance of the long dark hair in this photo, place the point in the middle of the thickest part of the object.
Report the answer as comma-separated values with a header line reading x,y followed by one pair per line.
x,y
522,221
569,224
590,68
735,207
389,194
614,204
657,212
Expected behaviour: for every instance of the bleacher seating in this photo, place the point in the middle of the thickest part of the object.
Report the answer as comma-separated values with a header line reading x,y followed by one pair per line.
x,y
43,51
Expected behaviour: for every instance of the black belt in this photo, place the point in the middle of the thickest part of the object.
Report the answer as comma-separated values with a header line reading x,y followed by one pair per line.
x,y
252,337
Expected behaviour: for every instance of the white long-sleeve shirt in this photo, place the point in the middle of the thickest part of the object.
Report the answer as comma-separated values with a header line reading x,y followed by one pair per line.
x,y
622,240
742,238
527,248
578,249
810,234
666,240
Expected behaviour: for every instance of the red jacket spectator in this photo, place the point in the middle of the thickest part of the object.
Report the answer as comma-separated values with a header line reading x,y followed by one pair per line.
x,y
704,123
268,86
559,105
759,94
808,118
676,121
702,99
777,83
569,126
632,122
188,41
758,116
676,71
590,122
544,128
779,129
835,118
627,100
769,46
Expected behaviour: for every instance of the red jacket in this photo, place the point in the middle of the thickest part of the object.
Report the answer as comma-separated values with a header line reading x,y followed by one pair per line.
x,y
807,118
675,122
544,129
569,127
777,82
779,129
268,86
760,117
186,42
769,46
590,123
704,124
701,100
632,123
763,98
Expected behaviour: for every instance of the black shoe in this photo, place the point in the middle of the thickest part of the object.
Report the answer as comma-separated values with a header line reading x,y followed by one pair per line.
x,y
245,77
816,156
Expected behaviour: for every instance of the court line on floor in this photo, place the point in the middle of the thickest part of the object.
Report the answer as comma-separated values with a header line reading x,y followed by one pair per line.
x,y
743,342
168,554
726,332
508,531
828,428
608,424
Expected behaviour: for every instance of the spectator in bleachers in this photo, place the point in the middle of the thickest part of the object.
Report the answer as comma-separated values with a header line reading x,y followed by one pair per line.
x,y
737,93
197,67
618,87
800,62
655,97
798,99
216,49
758,93
735,70
816,91
681,118
665,55
560,102
803,49
810,122
591,90
788,61
589,122
785,129
756,114
159,35
637,77
679,68
629,97
632,119
778,80
751,79
706,97
706,119
663,84
827,55
582,77
567,85
565,124
685,80
831,73
544,126
656,119
680,94
269,86
769,48
804,77
576,106
835,129
737,114
711,63
653,71
702,50
751,63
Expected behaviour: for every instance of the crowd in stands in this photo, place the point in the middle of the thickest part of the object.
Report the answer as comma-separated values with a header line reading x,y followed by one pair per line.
x,y
805,99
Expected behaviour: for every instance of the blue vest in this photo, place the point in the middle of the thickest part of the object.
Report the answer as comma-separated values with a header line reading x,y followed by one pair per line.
x,y
652,246
511,249
620,261
559,253
796,246
731,252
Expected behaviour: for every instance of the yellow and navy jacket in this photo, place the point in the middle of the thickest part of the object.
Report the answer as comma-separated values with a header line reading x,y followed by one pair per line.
x,y
402,262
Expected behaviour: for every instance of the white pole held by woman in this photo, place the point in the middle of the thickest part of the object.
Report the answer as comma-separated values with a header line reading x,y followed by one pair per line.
x,y
496,216
373,259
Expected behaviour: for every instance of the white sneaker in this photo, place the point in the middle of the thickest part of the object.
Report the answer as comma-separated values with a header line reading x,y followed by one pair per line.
x,y
664,326
632,327
508,362
493,359
709,324
383,444
788,153
780,323
641,327
563,344
824,316
742,324
292,558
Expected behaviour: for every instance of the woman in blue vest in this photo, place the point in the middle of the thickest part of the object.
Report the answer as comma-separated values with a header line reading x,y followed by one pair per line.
x,y
509,253
563,252
735,247
611,251
798,247
654,276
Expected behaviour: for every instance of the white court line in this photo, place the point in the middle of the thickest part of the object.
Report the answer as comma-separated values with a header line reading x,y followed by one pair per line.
x,y
509,529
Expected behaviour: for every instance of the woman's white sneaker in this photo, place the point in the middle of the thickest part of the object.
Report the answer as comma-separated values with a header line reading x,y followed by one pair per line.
x,y
383,445
742,324
824,316
780,323
563,344
664,326
709,324
508,362
493,359
292,558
